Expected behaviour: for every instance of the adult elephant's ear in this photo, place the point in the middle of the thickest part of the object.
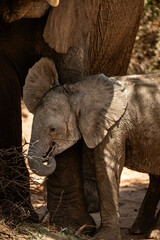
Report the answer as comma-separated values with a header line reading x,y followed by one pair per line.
x,y
99,103
40,78
69,23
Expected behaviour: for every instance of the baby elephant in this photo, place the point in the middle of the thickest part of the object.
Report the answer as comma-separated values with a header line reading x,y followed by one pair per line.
x,y
119,117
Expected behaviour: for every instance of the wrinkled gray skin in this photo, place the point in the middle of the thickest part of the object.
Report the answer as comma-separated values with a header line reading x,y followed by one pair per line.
x,y
119,119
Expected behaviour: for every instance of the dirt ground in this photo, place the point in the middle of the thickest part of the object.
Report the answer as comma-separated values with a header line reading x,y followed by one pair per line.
x,y
132,190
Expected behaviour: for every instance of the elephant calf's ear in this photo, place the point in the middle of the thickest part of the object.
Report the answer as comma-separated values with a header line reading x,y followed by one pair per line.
x,y
101,102
40,78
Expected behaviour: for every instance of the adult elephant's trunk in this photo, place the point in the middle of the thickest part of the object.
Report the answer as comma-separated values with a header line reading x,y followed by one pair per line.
x,y
40,164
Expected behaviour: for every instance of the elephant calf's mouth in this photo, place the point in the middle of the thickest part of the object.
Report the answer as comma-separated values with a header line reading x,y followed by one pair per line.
x,y
47,154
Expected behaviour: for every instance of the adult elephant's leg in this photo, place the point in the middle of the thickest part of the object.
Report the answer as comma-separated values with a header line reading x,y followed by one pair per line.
x,y
66,201
13,174
146,215
113,36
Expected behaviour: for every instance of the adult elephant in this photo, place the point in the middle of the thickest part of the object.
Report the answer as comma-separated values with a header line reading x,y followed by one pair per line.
x,y
83,37
20,43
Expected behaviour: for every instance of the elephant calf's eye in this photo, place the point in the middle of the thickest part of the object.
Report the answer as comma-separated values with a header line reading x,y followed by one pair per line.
x,y
52,129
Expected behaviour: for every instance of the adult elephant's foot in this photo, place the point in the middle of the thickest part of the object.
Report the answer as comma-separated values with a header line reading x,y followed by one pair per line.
x,y
108,234
68,210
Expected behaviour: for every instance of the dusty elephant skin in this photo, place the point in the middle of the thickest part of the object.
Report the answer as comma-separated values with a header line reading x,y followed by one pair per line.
x,y
76,53
118,117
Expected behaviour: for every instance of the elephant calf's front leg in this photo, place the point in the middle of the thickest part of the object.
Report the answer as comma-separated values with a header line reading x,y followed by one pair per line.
x,y
107,174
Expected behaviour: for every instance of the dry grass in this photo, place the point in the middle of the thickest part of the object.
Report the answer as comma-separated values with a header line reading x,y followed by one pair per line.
x,y
26,231
9,183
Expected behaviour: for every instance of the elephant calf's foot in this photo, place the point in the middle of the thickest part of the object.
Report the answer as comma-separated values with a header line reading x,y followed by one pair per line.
x,y
108,234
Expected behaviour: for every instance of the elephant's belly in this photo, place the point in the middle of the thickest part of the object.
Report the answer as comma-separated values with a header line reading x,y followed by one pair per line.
x,y
143,155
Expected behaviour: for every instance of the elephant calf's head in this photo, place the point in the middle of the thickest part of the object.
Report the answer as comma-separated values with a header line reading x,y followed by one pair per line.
x,y
54,125
63,113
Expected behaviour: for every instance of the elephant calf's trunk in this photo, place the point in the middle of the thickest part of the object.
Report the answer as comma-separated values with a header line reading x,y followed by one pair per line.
x,y
38,167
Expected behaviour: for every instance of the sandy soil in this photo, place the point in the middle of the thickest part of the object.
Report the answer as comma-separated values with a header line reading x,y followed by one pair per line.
x,y
132,190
